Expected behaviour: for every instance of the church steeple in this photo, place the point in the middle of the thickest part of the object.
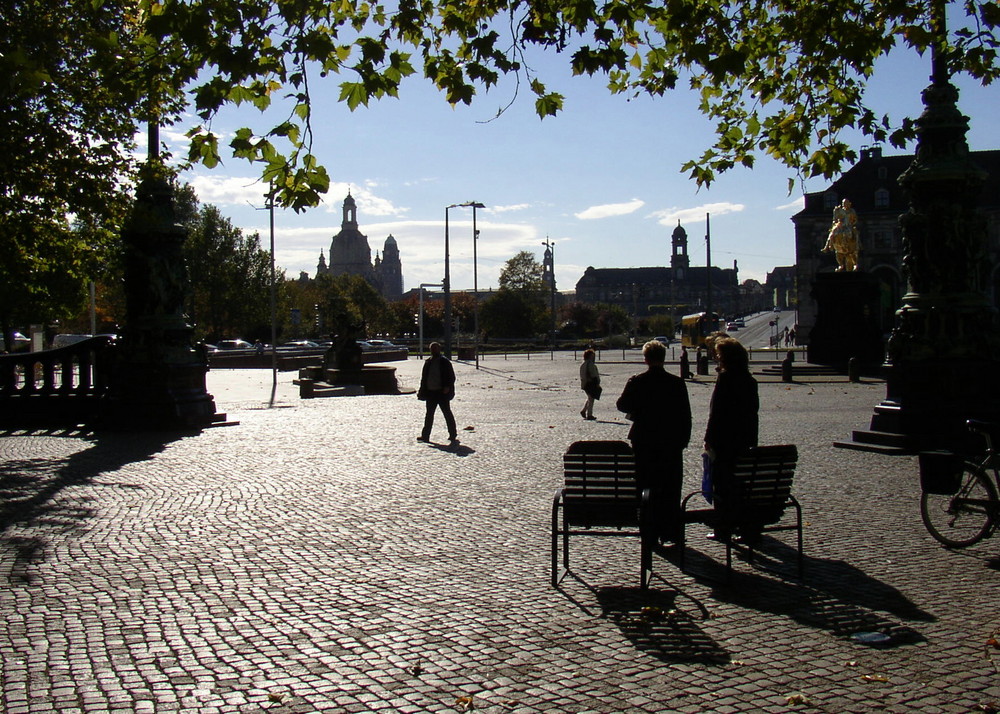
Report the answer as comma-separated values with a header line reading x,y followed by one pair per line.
x,y
350,212
679,239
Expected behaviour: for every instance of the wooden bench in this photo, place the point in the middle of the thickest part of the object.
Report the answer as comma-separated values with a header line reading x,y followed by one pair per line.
x,y
761,494
599,498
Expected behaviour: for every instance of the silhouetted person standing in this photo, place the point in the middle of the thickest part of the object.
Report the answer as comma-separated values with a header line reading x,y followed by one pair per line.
x,y
437,387
657,403
732,418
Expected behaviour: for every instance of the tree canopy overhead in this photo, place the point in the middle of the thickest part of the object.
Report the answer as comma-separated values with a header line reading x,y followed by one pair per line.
x,y
780,78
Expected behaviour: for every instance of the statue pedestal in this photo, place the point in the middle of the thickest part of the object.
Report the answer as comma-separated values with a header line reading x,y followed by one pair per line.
x,y
154,396
847,309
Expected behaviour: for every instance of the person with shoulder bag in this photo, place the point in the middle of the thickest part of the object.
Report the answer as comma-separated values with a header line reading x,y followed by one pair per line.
x,y
590,383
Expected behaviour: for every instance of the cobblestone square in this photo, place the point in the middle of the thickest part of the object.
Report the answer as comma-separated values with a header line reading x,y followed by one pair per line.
x,y
317,558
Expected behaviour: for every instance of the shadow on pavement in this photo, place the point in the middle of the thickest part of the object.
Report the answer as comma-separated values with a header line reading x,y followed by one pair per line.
x,y
835,596
29,485
456,449
654,624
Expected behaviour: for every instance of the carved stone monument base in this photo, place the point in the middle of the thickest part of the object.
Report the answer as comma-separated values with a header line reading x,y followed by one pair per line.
x,y
151,396
847,310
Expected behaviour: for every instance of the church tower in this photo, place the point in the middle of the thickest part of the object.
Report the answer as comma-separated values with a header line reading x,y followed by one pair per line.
x,y
679,260
548,269
390,271
350,253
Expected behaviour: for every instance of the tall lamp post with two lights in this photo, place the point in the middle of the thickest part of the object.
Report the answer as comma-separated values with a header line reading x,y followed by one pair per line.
x,y
447,273
475,278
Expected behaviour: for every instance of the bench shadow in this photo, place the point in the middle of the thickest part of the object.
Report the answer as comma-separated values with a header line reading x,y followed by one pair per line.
x,y
835,595
653,622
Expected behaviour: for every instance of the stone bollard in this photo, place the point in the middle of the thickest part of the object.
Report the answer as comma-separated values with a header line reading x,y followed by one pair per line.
x,y
786,368
853,370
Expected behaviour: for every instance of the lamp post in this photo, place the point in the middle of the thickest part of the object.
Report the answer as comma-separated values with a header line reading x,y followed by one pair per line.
x,y
475,279
447,273
446,284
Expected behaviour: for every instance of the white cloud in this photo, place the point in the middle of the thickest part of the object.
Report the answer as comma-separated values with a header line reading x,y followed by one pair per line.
x,y
610,209
696,214
508,209
797,205
228,190
369,202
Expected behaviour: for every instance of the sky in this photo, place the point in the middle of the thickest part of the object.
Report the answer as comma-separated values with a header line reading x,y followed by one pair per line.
x,y
601,181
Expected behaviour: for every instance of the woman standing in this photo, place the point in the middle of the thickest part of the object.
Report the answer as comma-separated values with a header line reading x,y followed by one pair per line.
x,y
590,382
732,416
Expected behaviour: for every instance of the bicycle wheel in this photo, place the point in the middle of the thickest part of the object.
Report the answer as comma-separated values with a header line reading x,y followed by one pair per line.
x,y
961,519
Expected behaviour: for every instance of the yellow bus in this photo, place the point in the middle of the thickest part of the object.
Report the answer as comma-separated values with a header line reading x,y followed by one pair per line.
x,y
695,328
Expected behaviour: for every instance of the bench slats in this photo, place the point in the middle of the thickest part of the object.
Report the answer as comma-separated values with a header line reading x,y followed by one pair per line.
x,y
600,492
759,494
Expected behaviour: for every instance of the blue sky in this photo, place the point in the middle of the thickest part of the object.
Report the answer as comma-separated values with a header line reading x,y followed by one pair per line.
x,y
601,180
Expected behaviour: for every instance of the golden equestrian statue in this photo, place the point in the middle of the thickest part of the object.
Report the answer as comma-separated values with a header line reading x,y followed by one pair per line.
x,y
843,238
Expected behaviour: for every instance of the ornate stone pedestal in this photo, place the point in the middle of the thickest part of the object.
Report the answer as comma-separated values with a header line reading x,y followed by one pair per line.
x,y
846,321
943,358
158,378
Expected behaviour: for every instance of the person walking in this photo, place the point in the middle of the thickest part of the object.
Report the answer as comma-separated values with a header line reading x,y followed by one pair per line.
x,y
658,405
732,419
437,387
590,383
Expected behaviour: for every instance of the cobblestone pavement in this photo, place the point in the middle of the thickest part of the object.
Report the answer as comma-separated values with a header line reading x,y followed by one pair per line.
x,y
317,558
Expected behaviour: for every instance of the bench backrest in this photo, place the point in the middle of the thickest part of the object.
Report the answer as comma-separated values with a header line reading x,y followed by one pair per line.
x,y
763,482
600,488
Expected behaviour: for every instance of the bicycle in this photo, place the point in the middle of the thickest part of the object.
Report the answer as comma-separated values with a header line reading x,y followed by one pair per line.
x,y
959,504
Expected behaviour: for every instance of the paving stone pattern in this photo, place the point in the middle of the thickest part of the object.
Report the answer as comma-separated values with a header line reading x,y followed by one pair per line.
x,y
317,558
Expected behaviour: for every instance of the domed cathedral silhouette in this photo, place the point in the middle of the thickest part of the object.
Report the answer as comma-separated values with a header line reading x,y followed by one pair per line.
x,y
350,254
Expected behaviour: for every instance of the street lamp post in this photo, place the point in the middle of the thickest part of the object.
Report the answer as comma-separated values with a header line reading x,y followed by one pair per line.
x,y
446,284
447,274
475,279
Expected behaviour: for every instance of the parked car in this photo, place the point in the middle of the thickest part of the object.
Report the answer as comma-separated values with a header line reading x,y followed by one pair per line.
x,y
67,340
664,339
381,344
298,345
20,343
228,345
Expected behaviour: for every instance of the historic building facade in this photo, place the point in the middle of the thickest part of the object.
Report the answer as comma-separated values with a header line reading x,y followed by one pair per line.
x,y
872,186
350,254
677,290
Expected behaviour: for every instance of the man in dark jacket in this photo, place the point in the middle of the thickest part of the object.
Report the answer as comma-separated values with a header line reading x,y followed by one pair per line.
x,y
657,403
437,387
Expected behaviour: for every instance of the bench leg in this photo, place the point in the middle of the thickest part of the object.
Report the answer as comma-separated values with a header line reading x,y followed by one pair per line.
x,y
646,558
555,542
